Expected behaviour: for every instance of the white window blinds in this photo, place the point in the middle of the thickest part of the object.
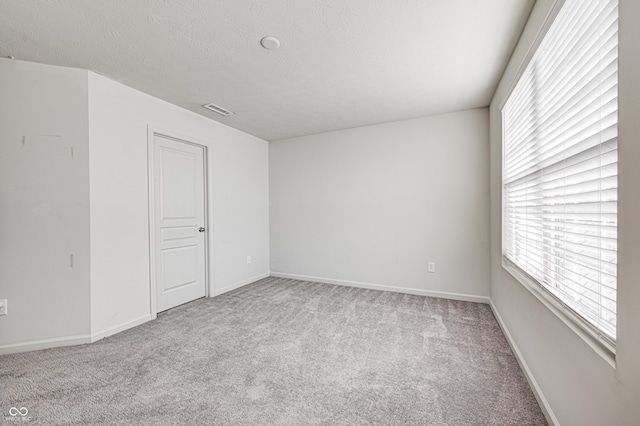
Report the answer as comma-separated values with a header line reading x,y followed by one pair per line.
x,y
560,164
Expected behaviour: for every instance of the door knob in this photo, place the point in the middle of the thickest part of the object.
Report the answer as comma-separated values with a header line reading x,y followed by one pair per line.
x,y
201,229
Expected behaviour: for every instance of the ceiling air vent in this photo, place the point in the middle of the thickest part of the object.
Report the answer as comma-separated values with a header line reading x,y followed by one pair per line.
x,y
218,110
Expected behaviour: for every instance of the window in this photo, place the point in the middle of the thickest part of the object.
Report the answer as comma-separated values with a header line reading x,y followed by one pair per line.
x,y
560,165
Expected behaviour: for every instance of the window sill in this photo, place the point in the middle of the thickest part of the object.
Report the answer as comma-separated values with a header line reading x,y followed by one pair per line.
x,y
600,346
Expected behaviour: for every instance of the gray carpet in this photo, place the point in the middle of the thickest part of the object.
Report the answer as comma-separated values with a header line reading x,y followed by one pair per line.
x,y
284,352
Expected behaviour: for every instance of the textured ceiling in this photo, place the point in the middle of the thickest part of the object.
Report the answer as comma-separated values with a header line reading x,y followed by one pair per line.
x,y
341,64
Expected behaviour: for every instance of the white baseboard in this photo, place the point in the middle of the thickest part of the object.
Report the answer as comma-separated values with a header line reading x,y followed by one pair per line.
x,y
58,342
118,328
408,290
537,392
240,284
90,338
36,345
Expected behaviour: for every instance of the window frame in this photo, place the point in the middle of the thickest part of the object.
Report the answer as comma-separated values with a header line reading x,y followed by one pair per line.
x,y
570,318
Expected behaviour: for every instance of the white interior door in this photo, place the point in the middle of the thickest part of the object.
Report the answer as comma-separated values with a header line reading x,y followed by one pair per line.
x,y
179,210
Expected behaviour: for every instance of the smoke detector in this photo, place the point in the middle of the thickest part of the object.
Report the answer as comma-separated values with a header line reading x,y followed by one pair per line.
x,y
270,43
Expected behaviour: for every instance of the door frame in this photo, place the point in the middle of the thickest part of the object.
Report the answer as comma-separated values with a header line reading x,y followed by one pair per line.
x,y
152,132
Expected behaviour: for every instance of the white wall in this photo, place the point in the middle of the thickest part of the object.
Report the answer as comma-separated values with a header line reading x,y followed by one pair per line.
x,y
580,387
371,206
96,205
44,205
238,193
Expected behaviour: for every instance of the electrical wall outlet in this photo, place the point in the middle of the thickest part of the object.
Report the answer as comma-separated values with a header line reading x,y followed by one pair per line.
x,y
248,260
3,307
431,267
